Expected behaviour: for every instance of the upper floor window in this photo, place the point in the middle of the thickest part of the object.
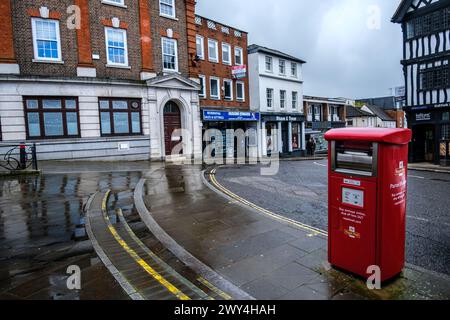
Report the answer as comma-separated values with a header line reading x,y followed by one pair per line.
x,y
226,53
214,88
213,50
269,94
116,46
202,93
167,8
51,117
435,78
120,117
282,66
200,41
269,64
282,99
238,56
294,99
228,89
293,69
240,91
46,40
115,2
432,22
170,54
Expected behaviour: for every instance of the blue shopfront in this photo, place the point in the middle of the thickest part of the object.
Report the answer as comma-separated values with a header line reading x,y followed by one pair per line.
x,y
231,124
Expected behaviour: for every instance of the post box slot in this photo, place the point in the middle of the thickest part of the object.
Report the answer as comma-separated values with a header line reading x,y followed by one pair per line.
x,y
354,157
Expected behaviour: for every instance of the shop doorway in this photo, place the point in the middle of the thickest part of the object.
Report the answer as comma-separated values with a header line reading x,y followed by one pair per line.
x,y
285,137
424,143
172,122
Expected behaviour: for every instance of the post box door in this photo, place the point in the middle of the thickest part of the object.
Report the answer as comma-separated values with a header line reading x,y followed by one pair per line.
x,y
353,223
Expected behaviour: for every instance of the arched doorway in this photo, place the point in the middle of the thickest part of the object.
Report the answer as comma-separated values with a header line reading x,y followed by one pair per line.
x,y
172,122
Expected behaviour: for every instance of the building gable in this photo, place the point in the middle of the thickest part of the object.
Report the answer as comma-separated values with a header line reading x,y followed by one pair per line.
x,y
409,6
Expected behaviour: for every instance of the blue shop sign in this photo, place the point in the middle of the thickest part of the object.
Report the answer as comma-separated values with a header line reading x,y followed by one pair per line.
x,y
230,116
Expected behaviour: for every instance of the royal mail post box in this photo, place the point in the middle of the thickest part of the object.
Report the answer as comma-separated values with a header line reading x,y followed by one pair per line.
x,y
367,199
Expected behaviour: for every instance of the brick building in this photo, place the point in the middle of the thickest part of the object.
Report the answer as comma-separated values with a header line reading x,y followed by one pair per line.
x,y
103,79
221,65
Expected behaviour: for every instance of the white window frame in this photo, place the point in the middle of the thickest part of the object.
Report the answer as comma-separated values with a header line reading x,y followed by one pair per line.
x,y
231,90
283,99
110,63
202,42
241,51
229,62
216,46
168,15
266,60
213,97
294,101
119,3
271,91
293,64
176,54
240,99
58,39
280,63
202,93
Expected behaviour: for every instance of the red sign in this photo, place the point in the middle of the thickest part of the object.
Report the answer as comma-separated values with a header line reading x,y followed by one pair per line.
x,y
239,72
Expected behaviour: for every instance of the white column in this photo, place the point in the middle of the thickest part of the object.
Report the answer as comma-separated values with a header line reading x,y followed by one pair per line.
x,y
279,138
262,137
303,136
290,136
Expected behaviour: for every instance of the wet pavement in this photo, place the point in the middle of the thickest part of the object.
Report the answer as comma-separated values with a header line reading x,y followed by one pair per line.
x,y
299,191
38,218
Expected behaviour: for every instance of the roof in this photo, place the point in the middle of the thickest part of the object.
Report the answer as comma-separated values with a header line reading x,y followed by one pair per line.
x,y
379,112
256,48
424,5
354,112
342,101
387,103
220,23
382,135
401,11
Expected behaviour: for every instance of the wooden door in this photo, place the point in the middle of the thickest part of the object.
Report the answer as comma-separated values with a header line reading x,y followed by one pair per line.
x,y
172,122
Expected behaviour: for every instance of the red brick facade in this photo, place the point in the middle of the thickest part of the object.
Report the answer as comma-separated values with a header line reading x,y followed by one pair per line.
x,y
221,70
7,53
84,36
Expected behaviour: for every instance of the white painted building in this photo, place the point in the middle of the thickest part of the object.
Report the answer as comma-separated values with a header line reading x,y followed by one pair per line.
x,y
276,91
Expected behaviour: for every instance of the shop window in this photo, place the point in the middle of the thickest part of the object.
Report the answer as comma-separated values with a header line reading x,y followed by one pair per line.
x,y
120,117
296,130
445,132
446,116
51,117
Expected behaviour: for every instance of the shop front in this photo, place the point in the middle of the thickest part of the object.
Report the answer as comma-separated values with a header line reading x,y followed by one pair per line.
x,y
230,134
431,135
282,134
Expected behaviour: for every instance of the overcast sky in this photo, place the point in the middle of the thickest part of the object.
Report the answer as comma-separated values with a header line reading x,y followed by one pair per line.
x,y
349,52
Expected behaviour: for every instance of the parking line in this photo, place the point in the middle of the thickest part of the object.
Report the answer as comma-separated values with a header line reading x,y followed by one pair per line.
x,y
180,295
320,164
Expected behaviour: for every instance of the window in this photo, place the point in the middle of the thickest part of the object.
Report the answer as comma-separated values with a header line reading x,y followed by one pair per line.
x,y
294,99
120,117
269,94
435,78
228,89
240,91
51,117
167,8
116,47
293,69
430,23
46,40
238,56
282,65
115,2
214,88
202,93
170,54
268,63
213,50
282,99
200,47
226,53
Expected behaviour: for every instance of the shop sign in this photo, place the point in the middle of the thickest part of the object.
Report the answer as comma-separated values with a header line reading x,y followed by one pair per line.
x,y
239,72
423,116
230,116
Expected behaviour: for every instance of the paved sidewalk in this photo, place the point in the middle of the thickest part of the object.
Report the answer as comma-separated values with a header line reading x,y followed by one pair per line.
x,y
266,258
428,167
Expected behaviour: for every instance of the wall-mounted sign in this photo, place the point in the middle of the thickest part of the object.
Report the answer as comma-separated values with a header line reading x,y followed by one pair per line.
x,y
282,118
423,116
239,72
230,116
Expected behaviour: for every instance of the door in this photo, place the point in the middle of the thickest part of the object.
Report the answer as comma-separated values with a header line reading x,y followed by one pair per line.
x,y
285,137
172,122
423,143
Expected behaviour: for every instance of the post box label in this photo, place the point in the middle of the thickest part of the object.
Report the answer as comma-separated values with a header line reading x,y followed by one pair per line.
x,y
353,197
352,182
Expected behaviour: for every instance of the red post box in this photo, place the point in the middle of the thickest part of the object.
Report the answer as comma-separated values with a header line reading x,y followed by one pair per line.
x,y
367,199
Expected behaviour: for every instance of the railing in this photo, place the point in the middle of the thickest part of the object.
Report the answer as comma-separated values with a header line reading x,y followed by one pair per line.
x,y
18,157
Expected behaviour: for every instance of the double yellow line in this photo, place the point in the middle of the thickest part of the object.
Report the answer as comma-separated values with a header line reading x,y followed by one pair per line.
x,y
314,231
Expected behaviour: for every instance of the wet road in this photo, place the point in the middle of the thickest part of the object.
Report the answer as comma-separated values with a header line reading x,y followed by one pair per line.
x,y
299,191
38,217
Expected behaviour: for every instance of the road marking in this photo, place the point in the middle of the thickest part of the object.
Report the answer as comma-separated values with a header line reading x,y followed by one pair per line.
x,y
417,177
320,164
180,295
158,260
214,289
271,214
420,219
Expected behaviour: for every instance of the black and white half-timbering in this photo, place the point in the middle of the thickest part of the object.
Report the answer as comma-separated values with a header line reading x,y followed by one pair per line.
x,y
276,91
426,57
